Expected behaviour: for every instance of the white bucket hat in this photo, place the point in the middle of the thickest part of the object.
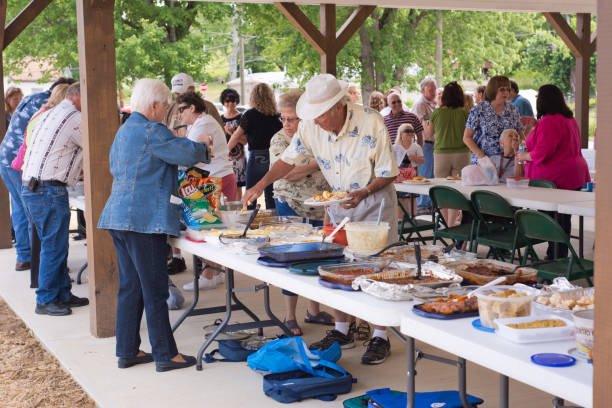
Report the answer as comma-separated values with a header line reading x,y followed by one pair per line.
x,y
322,92
181,83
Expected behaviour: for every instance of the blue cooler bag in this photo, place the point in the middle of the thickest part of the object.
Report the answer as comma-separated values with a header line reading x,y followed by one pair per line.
x,y
329,381
386,398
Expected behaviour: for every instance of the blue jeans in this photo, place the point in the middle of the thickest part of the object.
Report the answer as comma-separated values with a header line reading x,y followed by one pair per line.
x,y
143,284
19,217
426,170
49,211
283,208
257,167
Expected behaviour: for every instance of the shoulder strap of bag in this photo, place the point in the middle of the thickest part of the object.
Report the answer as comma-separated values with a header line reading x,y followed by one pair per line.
x,y
209,357
319,370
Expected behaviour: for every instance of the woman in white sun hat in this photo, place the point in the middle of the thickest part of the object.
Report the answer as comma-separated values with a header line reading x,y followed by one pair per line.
x,y
353,149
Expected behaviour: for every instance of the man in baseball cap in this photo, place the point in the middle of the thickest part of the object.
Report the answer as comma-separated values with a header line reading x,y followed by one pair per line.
x,y
353,149
181,83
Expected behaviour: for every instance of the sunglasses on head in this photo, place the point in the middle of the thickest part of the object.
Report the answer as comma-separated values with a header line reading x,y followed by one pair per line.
x,y
182,108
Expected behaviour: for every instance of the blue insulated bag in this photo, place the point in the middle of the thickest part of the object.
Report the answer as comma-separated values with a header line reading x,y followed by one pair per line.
x,y
297,385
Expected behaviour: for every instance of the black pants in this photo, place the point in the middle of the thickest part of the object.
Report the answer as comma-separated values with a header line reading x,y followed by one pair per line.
x,y
565,221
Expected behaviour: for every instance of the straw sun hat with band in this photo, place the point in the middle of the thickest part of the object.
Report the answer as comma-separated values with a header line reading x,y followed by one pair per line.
x,y
322,93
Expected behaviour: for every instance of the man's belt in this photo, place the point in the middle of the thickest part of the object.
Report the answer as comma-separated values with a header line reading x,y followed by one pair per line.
x,y
45,183
429,141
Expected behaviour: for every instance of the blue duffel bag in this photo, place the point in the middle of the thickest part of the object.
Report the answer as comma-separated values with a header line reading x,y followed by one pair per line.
x,y
292,386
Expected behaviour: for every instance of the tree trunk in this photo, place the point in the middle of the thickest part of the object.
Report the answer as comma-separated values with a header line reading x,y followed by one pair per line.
x,y
233,60
367,65
439,50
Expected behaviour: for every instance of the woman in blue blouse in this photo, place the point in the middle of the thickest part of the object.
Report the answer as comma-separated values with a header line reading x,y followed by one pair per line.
x,y
490,118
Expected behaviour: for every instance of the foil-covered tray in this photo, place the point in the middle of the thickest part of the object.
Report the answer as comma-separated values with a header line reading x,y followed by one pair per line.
x,y
405,253
389,285
482,271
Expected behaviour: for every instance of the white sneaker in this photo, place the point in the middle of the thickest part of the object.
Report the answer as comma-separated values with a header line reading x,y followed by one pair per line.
x,y
219,279
203,284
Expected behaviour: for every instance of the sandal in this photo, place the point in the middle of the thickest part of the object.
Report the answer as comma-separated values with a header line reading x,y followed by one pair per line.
x,y
323,318
363,331
293,327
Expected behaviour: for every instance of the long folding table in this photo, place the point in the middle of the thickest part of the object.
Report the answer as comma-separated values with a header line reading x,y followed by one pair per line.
x,y
512,360
571,202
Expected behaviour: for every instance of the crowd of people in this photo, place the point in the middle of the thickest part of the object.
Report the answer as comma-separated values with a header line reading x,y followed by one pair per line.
x,y
320,139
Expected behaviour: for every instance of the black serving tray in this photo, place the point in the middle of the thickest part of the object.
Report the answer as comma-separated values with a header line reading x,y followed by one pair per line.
x,y
302,252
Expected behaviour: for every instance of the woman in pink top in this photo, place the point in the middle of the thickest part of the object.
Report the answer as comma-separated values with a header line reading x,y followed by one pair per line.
x,y
553,149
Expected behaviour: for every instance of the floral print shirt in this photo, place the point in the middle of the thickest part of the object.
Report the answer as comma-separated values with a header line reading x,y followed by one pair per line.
x,y
488,126
296,192
351,159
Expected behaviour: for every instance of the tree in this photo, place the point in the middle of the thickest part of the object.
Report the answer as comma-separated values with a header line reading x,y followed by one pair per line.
x,y
153,38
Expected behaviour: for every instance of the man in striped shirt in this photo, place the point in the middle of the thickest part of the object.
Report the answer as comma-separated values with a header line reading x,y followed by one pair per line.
x,y
399,116
53,161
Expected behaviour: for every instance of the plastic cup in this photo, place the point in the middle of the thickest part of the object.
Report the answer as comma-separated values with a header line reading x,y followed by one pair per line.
x,y
339,238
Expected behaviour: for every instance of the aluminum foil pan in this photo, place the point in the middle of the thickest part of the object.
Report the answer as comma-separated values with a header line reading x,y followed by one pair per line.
x,y
411,291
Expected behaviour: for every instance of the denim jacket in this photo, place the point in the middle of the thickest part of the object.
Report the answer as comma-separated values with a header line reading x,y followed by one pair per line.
x,y
144,160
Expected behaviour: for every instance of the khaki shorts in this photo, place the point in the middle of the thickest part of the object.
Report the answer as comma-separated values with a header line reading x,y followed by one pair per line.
x,y
450,164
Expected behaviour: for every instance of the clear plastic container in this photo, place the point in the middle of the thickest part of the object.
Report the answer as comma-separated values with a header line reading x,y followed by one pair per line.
x,y
233,218
538,335
517,182
367,235
496,303
585,338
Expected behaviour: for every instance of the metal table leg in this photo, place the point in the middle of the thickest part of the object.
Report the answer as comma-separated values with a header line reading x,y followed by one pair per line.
x,y
581,236
410,373
81,270
462,365
504,391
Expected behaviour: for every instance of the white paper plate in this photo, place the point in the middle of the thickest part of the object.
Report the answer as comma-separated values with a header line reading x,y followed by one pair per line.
x,y
314,203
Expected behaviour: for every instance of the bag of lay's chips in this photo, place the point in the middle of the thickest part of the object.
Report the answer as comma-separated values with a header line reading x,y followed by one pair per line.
x,y
201,197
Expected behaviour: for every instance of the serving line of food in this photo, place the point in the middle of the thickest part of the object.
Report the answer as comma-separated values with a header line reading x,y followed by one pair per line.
x,y
579,203
407,283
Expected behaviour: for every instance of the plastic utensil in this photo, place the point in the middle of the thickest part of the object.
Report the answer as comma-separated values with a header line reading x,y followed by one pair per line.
x,y
338,228
417,255
251,219
492,283
395,244
331,216
382,204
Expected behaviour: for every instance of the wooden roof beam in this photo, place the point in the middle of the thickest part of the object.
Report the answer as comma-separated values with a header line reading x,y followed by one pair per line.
x,y
352,24
566,33
303,24
22,20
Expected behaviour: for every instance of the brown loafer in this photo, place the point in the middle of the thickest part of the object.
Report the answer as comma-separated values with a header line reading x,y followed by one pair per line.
x,y
22,266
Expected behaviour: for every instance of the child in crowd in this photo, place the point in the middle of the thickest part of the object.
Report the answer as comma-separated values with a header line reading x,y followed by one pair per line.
x,y
505,164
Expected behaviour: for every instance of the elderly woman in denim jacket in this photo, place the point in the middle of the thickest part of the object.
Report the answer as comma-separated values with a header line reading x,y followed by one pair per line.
x,y
140,213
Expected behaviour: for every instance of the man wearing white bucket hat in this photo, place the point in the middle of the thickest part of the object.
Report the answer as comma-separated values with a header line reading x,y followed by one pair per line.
x,y
353,149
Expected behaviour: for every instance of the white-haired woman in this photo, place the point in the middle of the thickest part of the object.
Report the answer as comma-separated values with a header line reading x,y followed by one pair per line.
x,y
139,215
409,155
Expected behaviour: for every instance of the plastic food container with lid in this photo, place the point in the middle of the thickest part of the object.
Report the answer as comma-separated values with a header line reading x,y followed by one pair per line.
x,y
367,236
585,338
517,182
535,335
497,303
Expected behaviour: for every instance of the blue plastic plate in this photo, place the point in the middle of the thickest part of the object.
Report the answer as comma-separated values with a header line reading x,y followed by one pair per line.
x,y
478,326
265,261
302,252
553,360
416,309
334,285
311,267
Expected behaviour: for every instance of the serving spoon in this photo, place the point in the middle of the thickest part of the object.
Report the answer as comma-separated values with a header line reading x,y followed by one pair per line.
x,y
251,219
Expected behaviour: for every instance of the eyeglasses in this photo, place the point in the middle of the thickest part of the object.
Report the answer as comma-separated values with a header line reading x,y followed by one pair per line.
x,y
288,120
394,102
230,101
408,131
182,108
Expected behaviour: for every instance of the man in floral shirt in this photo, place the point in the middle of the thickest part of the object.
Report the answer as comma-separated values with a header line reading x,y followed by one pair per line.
x,y
353,149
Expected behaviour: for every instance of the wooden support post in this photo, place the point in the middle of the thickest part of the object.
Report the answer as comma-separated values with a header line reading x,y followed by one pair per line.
x,y
327,41
327,15
602,357
583,76
23,19
96,33
5,207
582,45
